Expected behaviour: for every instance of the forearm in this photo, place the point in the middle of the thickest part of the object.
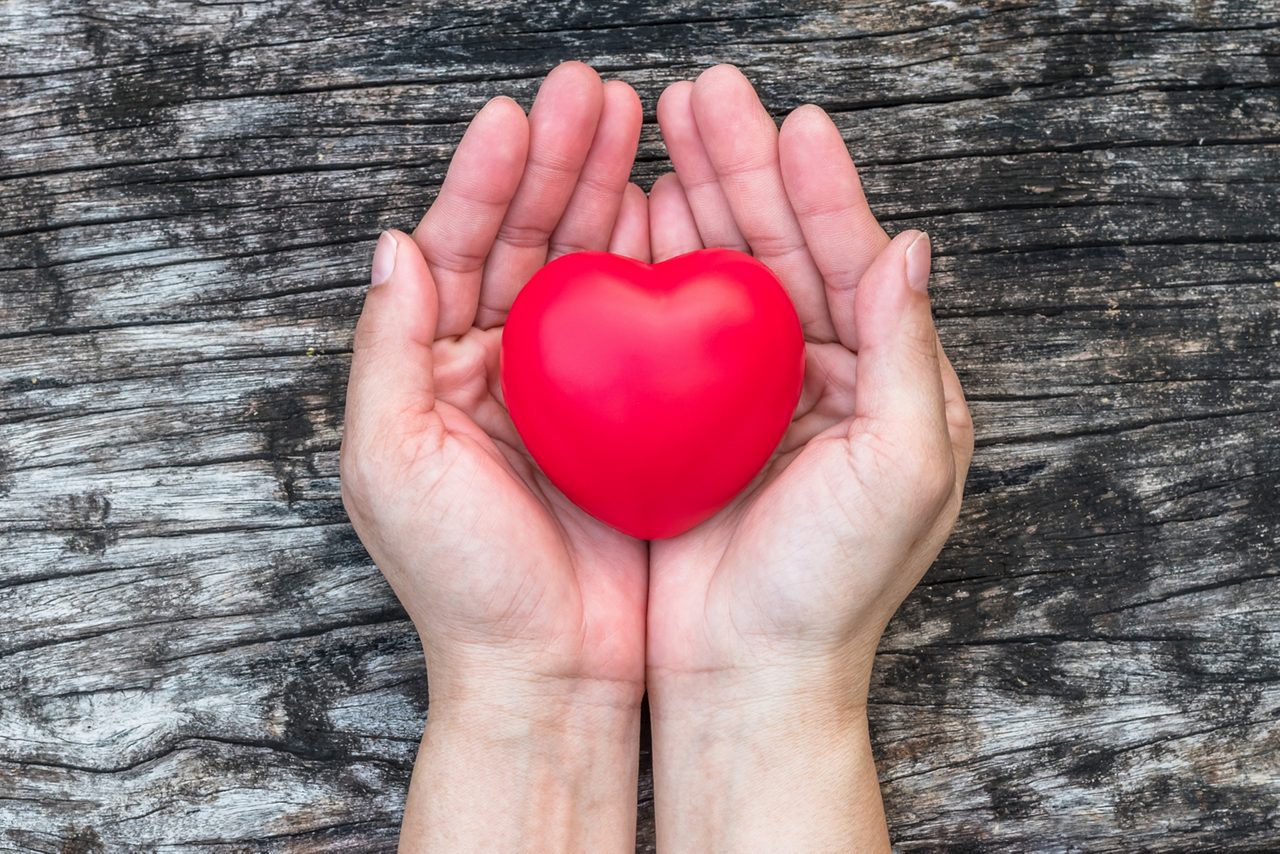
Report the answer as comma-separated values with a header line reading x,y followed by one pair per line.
x,y
765,769
561,779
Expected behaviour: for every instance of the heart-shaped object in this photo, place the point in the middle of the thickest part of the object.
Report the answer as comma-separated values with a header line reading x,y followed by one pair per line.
x,y
652,394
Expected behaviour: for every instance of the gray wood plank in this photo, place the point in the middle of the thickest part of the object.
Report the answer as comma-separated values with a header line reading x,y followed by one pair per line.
x,y
197,654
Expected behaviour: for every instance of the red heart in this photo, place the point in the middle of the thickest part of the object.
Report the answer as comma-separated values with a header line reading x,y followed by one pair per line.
x,y
652,394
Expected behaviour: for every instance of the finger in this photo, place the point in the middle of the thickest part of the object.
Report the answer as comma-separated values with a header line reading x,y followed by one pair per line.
x,y
822,184
899,379
631,231
742,145
959,421
456,233
589,217
391,361
711,212
672,229
562,124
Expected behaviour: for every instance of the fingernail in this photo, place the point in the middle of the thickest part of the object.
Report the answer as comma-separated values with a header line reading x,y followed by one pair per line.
x,y
918,263
384,259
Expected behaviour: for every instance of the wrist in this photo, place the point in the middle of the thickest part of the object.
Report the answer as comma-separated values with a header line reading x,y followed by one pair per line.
x,y
542,719
834,681
553,771
769,758
530,685
776,709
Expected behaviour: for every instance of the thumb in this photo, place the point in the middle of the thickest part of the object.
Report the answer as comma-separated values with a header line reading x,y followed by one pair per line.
x,y
391,361
899,379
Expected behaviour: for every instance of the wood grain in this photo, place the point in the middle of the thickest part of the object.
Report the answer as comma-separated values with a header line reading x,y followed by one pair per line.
x,y
197,654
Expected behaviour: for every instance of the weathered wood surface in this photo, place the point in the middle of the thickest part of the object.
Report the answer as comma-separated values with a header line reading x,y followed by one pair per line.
x,y
197,654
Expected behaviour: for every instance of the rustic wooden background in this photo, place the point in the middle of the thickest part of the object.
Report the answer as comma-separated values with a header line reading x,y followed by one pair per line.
x,y
197,654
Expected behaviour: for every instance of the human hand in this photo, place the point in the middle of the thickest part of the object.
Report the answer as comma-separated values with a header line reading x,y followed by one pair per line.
x,y
532,613
764,620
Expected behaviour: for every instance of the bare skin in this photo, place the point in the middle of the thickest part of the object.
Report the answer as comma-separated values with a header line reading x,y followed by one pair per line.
x,y
754,632
764,620
532,613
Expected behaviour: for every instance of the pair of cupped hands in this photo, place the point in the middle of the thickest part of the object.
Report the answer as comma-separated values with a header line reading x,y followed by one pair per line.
x,y
526,604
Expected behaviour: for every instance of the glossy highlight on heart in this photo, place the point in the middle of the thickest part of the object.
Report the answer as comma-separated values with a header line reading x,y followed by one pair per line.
x,y
651,394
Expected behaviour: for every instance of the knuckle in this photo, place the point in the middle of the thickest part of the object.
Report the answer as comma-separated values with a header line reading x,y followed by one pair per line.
x,y
523,235
553,163
744,166
824,206
599,184
842,278
561,245
447,255
776,247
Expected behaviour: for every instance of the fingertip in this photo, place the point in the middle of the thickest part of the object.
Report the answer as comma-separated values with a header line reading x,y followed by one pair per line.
x,y
812,150
887,297
400,238
899,377
631,230
622,91
668,201
663,184
806,154
390,260
808,122
903,241
575,69
384,259
501,130
680,131
634,198
807,110
665,193
408,266
918,259
672,228
720,86
673,103
391,348
575,81
409,260
500,104
565,113
897,254
731,119
622,104
906,238
721,74
501,112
